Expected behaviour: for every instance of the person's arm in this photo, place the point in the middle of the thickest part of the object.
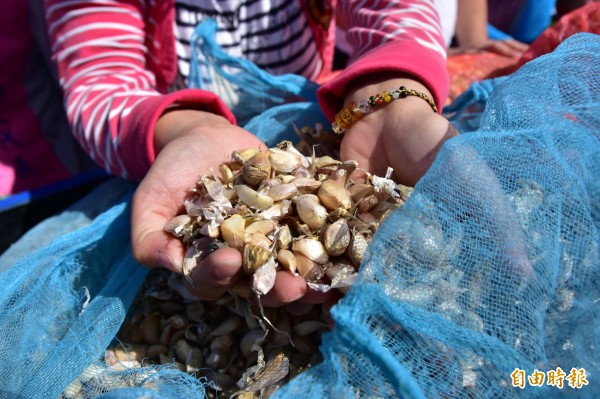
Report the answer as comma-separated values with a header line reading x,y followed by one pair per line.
x,y
402,37
101,50
396,44
111,69
406,134
471,23
472,32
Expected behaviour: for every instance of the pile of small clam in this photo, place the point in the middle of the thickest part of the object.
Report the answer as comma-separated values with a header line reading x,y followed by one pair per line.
x,y
223,343
283,211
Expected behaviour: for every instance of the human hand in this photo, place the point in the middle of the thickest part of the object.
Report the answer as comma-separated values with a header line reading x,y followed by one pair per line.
x,y
405,134
188,142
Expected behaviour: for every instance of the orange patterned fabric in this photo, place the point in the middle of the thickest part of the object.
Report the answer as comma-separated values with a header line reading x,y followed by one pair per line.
x,y
465,69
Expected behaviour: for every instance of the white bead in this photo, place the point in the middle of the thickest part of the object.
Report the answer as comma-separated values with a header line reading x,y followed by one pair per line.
x,y
363,106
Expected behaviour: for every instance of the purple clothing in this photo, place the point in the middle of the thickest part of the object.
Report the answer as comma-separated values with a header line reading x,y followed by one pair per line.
x,y
502,13
33,124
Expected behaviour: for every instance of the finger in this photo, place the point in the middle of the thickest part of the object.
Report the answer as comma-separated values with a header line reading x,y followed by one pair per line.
x,y
315,296
288,288
517,45
216,274
151,209
503,48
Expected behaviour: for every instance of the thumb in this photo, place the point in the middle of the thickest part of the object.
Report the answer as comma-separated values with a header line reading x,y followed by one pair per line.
x,y
151,245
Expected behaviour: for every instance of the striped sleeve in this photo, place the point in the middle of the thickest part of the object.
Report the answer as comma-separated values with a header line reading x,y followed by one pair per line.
x,y
100,48
390,35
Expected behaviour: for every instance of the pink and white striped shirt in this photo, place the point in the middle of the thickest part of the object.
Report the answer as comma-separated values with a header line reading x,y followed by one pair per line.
x,y
117,59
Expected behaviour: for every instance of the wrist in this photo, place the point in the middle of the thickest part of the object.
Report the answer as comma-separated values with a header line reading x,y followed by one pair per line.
x,y
369,99
177,122
371,85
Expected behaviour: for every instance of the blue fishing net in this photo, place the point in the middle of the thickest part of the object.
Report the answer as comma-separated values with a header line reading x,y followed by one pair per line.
x,y
249,91
490,273
485,278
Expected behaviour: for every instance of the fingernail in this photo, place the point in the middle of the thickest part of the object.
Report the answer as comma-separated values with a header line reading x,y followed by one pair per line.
x,y
167,262
226,270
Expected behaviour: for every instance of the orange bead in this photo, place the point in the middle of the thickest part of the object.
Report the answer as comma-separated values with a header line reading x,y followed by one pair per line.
x,y
348,116
340,122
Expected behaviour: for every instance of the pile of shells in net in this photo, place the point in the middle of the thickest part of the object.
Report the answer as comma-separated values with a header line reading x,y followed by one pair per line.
x,y
228,343
283,211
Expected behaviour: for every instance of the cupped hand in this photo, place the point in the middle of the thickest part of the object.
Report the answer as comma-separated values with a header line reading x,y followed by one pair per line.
x,y
404,134
188,143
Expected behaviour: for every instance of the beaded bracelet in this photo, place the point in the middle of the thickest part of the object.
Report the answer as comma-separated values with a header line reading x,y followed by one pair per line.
x,y
354,112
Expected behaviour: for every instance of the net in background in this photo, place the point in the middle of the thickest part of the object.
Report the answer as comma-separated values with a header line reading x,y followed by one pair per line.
x,y
493,264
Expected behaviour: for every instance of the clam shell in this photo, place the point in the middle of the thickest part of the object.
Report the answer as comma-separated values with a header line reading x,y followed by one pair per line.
x,y
337,237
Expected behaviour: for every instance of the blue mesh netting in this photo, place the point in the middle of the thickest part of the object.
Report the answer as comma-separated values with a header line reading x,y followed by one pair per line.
x,y
250,91
491,265
63,304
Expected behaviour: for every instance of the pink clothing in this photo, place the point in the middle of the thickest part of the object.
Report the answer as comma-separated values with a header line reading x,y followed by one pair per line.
x,y
117,59
31,111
